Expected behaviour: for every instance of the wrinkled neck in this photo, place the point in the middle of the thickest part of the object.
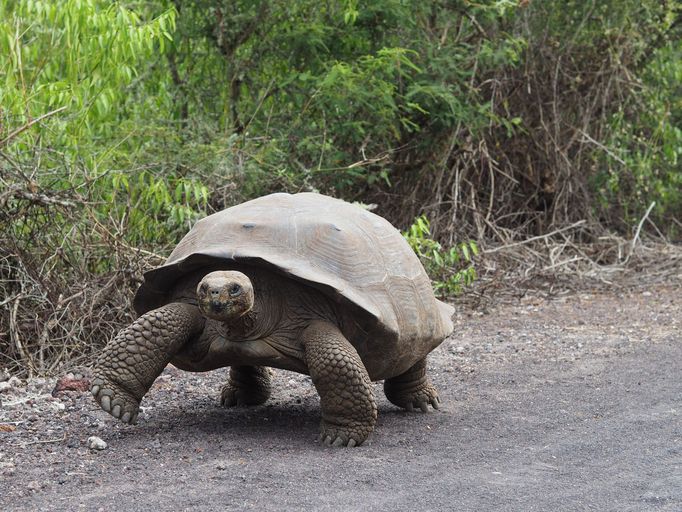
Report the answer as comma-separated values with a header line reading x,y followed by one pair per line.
x,y
262,319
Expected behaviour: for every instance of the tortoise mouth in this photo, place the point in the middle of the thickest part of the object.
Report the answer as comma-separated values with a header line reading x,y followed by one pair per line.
x,y
222,310
214,308
217,307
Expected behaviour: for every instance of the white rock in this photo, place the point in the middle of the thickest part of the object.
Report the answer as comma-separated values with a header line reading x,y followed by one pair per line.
x,y
4,386
95,443
36,382
57,406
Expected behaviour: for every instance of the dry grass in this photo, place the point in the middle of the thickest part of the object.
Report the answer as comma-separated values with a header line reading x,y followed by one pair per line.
x,y
507,185
66,280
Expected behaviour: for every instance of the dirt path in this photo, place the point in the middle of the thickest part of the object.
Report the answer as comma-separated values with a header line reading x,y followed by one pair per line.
x,y
573,404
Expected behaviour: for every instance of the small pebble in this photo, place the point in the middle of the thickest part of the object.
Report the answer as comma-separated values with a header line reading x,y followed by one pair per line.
x,y
36,383
95,443
57,406
7,467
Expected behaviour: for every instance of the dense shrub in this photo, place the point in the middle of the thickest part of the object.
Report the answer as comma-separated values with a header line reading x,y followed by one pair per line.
x,y
121,123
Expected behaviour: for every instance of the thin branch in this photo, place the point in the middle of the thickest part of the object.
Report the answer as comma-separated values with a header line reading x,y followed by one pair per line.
x,y
601,146
44,441
534,238
639,228
21,129
14,330
39,198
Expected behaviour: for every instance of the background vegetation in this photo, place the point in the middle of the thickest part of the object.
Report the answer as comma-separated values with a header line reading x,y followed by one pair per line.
x,y
500,121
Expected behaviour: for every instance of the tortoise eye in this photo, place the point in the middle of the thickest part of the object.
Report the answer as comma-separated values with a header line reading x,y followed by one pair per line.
x,y
203,288
235,290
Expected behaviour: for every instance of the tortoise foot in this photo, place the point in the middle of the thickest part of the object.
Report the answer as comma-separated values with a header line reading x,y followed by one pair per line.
x,y
412,390
232,396
115,399
248,385
338,435
418,398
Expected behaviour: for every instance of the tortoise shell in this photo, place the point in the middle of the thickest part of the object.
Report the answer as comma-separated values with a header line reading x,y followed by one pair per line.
x,y
355,257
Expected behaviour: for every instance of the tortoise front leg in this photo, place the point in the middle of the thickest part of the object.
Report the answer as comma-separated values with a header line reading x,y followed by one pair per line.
x,y
248,385
131,361
349,411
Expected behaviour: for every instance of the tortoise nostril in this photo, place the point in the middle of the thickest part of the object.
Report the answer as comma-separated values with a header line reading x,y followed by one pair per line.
x,y
215,293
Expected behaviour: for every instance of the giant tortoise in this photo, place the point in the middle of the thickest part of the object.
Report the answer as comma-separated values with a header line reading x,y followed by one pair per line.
x,y
302,282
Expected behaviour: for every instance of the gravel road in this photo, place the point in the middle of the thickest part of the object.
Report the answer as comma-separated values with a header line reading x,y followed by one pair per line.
x,y
569,404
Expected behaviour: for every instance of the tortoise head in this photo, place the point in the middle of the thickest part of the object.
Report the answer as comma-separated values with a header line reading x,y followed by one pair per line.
x,y
225,295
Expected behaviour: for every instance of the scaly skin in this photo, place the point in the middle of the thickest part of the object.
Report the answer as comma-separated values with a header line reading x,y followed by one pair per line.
x,y
349,411
248,385
412,389
131,361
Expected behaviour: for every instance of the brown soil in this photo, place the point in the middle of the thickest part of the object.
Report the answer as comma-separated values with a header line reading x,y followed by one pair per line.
x,y
569,404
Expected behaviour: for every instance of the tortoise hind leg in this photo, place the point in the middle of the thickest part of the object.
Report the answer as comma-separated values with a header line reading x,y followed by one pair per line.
x,y
412,389
248,385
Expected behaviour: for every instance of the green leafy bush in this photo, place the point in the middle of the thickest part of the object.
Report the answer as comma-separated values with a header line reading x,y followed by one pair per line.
x,y
76,55
643,160
76,62
450,269
607,77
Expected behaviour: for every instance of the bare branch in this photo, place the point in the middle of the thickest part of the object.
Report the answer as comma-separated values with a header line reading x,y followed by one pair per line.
x,y
21,129
536,238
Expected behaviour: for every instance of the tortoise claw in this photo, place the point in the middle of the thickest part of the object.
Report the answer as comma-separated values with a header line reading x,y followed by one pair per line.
x,y
336,441
422,405
418,398
115,400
